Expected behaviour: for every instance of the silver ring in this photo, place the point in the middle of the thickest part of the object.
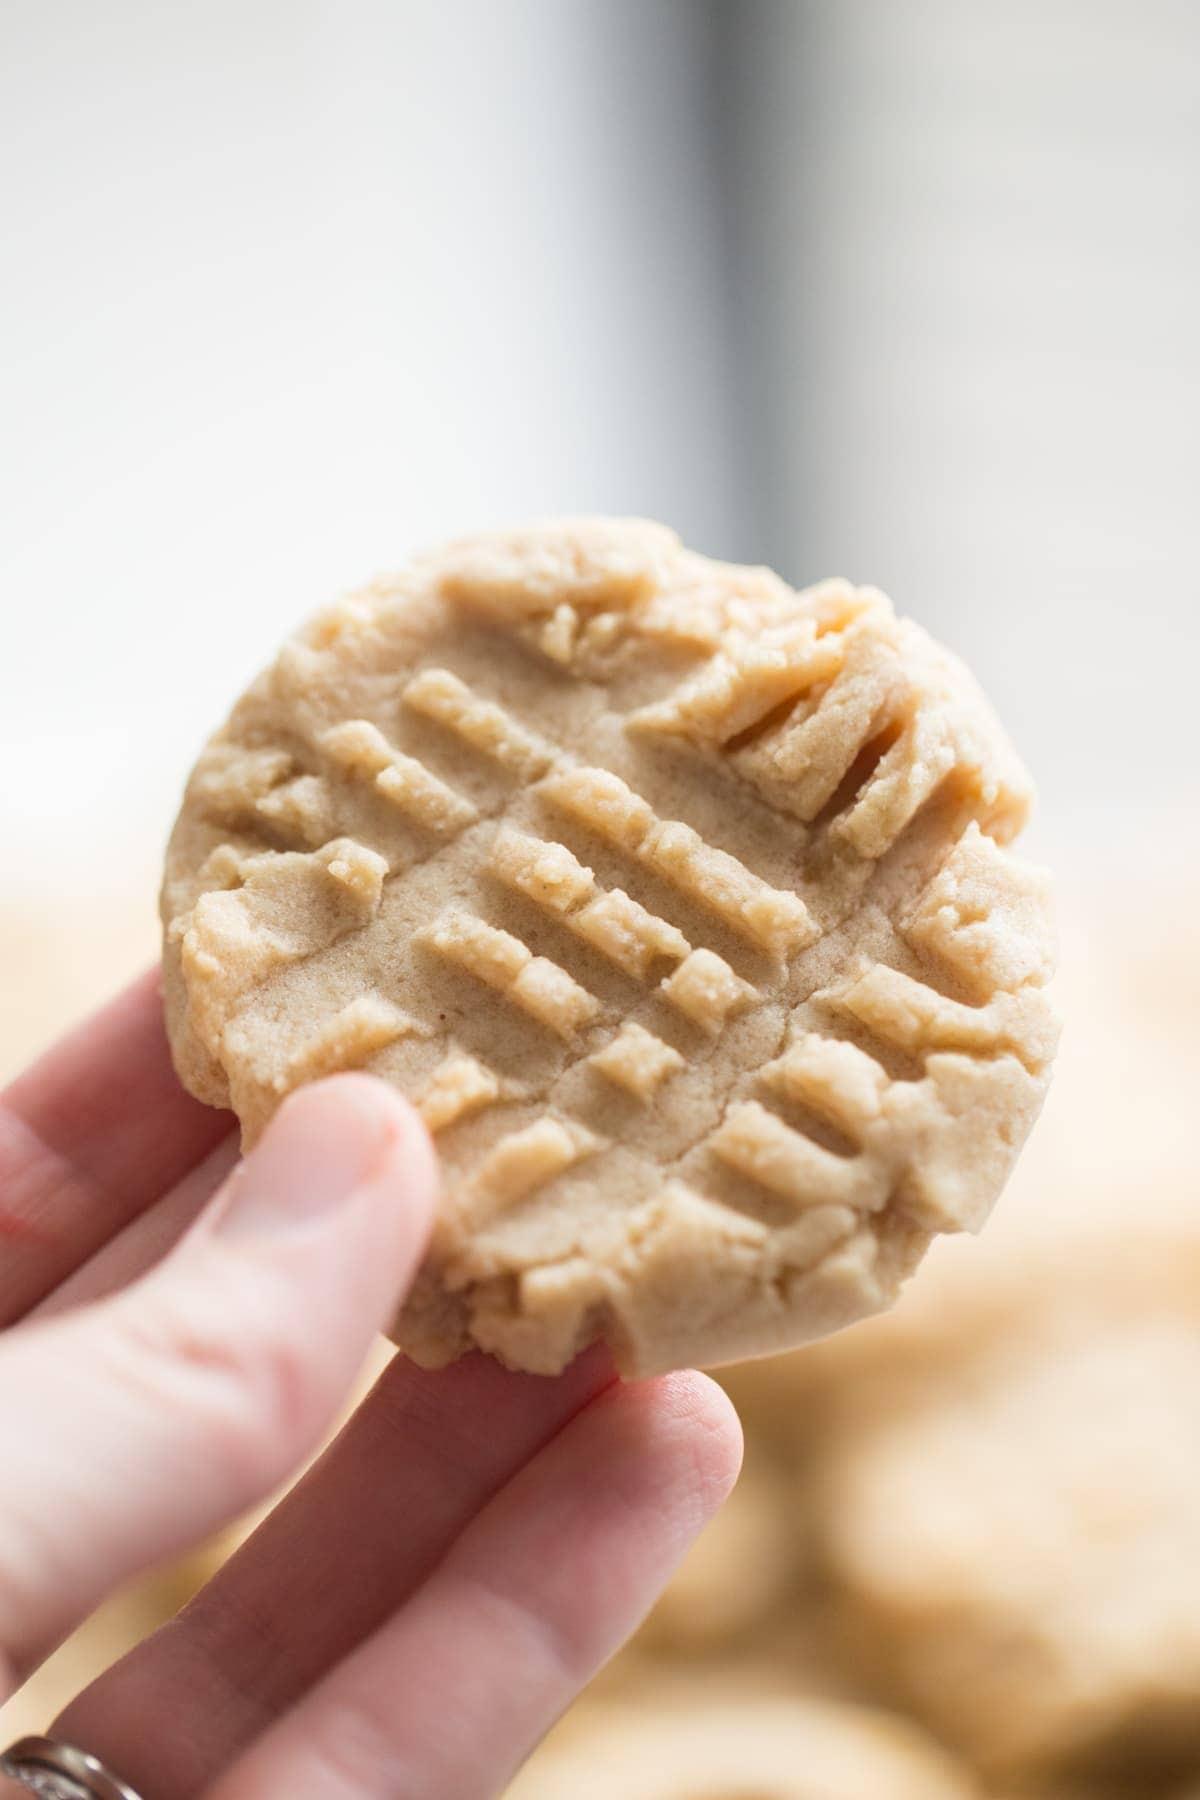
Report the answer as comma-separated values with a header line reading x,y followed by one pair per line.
x,y
60,1772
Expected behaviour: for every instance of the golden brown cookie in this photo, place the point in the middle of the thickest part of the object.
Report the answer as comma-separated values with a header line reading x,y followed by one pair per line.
x,y
678,902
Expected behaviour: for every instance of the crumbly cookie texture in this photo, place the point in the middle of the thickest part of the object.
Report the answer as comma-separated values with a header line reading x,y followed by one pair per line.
x,y
734,1747
678,902
1007,1508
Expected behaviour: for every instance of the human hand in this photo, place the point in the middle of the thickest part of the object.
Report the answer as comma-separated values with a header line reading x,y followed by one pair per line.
x,y
448,1575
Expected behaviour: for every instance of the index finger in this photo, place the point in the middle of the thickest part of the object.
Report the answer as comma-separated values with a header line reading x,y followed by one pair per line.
x,y
90,1136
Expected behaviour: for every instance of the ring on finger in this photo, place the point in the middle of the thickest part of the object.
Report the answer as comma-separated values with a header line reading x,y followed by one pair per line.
x,y
62,1772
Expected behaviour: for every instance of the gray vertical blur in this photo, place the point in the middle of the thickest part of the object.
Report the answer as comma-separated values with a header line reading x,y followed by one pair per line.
x,y
967,247
905,289
295,287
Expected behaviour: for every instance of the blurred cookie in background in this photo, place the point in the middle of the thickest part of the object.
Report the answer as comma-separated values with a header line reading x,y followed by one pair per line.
x,y
1089,1791
1116,1140
61,961
737,1747
1009,1514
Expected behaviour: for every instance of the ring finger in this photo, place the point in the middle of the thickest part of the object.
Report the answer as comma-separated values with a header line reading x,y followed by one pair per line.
x,y
451,1695
421,1457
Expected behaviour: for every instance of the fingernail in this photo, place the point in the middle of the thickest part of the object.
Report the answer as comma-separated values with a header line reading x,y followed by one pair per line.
x,y
319,1149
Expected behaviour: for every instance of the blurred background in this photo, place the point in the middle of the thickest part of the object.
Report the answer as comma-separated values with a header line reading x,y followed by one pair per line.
x,y
905,290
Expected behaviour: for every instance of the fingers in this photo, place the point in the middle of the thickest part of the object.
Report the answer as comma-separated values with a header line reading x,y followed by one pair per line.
x,y
450,1696
420,1458
137,1425
146,1239
89,1136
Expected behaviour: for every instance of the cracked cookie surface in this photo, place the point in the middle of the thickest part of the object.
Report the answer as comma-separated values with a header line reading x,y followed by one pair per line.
x,y
676,900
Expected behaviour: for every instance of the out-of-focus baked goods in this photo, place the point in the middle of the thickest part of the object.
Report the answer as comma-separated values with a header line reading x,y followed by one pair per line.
x,y
1009,1506
740,1748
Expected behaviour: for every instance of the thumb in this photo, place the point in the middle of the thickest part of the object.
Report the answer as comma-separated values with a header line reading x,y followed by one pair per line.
x,y
137,1425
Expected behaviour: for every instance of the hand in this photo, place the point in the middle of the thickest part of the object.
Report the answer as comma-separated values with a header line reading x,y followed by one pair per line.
x,y
447,1576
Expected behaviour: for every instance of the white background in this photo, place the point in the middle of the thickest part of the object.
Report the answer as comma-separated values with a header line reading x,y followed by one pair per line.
x,y
904,290
291,289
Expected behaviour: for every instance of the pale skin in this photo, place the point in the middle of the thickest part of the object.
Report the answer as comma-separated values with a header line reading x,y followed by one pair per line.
x,y
181,1331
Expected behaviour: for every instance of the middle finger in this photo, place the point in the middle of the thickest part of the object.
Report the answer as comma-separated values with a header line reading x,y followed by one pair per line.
x,y
420,1458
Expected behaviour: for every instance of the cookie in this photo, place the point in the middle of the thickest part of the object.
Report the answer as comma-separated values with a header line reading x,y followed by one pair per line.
x,y
1009,1521
677,901
735,1747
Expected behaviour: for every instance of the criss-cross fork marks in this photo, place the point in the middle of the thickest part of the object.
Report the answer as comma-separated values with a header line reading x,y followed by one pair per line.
x,y
347,1040
702,985
768,917
907,1015
841,721
1001,964
962,1062
458,1087
501,961
488,728
694,980
429,775
821,1079
748,688
637,1061
520,1162
524,1161
835,1081
360,750
698,983
622,930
